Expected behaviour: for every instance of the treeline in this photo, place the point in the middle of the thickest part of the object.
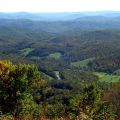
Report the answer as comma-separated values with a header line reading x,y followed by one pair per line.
x,y
26,95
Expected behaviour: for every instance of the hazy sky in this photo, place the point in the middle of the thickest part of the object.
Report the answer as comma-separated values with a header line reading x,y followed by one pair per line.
x,y
58,5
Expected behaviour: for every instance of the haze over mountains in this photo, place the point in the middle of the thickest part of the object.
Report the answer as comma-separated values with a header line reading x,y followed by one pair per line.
x,y
60,22
58,16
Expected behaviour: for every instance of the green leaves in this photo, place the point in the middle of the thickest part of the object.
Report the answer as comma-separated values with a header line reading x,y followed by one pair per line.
x,y
23,93
15,82
90,105
56,110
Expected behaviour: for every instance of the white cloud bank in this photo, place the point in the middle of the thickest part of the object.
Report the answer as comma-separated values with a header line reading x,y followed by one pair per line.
x,y
58,5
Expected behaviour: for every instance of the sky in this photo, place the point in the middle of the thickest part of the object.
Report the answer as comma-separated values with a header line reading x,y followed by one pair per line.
x,y
58,5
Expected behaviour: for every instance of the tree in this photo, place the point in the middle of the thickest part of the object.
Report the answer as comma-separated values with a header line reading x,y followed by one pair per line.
x,y
90,105
16,81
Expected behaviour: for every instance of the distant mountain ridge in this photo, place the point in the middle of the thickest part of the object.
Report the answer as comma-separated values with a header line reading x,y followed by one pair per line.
x,y
63,16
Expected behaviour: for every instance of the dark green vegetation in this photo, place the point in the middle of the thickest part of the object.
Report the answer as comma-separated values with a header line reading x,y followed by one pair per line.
x,y
25,94
77,57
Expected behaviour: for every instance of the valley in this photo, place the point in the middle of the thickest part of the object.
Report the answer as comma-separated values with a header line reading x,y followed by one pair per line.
x,y
77,55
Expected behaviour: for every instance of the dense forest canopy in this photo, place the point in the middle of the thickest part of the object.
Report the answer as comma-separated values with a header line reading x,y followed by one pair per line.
x,y
60,66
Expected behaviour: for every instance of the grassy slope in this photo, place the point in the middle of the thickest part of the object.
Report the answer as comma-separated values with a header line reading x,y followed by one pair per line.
x,y
107,78
82,63
55,55
26,51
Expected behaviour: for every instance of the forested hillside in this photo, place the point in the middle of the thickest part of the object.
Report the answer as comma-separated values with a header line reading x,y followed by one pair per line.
x,y
25,94
63,67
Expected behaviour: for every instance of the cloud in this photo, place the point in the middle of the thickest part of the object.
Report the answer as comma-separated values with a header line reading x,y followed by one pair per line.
x,y
58,5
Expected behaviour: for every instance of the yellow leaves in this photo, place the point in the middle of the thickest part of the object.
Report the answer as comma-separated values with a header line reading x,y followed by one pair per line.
x,y
87,109
6,117
83,116
5,66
